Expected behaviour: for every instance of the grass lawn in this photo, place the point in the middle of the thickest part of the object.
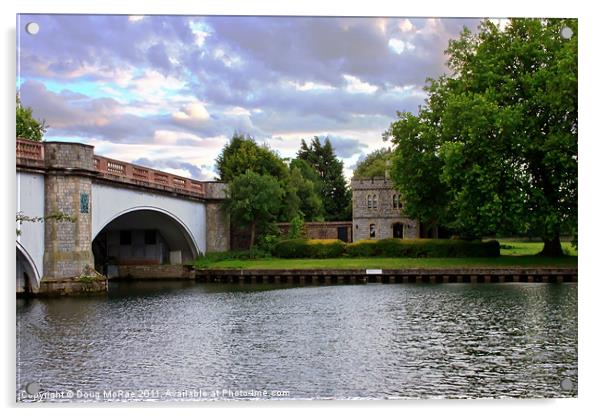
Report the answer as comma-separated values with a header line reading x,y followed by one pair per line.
x,y
514,254
524,248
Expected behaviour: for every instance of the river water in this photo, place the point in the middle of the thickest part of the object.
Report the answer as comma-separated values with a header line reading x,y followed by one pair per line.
x,y
190,341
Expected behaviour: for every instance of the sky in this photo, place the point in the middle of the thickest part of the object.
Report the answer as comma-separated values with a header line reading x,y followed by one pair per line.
x,y
169,92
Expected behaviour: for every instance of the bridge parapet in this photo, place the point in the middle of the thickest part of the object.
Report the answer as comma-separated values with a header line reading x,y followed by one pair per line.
x,y
118,171
30,153
46,155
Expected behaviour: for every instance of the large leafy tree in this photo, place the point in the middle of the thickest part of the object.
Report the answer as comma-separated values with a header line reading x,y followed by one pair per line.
x,y
254,202
336,197
374,164
27,126
242,153
494,150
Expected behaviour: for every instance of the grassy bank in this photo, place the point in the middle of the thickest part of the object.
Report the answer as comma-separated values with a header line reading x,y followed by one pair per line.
x,y
514,254
394,263
522,248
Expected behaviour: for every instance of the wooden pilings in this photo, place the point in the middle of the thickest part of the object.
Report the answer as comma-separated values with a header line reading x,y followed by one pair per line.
x,y
403,276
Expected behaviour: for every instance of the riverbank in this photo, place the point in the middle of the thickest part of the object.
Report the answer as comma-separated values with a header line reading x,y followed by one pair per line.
x,y
392,263
513,254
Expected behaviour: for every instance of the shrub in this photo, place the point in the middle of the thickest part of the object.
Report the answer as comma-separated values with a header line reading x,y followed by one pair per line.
x,y
322,249
300,248
317,249
423,248
296,228
362,248
292,249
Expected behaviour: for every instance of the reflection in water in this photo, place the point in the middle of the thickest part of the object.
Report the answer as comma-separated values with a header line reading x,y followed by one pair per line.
x,y
369,341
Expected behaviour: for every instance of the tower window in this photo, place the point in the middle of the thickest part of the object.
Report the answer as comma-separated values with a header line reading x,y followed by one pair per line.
x,y
374,201
372,230
395,201
369,201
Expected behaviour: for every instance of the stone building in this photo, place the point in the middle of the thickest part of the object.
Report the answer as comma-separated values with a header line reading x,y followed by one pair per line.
x,y
378,211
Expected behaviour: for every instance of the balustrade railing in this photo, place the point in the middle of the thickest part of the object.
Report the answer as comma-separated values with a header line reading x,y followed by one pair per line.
x,y
139,175
31,154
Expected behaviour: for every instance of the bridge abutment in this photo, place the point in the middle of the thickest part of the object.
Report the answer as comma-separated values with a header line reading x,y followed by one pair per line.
x,y
218,219
68,259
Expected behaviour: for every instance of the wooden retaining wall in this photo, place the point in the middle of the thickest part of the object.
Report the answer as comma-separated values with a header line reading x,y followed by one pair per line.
x,y
323,276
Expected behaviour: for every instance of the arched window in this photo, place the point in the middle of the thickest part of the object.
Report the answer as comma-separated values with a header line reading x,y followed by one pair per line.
x,y
374,201
369,201
395,201
372,230
399,203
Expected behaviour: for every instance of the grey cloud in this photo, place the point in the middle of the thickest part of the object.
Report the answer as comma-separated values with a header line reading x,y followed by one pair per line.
x,y
271,52
74,114
176,163
157,56
68,43
345,147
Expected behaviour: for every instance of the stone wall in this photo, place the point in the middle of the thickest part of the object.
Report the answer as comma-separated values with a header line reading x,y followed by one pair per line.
x,y
376,202
321,230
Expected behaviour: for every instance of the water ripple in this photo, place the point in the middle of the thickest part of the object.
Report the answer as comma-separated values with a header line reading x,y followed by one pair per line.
x,y
354,341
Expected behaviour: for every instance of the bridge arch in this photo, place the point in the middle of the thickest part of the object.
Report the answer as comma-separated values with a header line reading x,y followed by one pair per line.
x,y
28,276
143,235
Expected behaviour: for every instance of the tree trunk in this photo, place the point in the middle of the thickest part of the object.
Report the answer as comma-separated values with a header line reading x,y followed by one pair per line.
x,y
552,247
252,235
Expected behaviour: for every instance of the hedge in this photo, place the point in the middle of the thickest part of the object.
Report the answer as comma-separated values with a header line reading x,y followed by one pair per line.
x,y
423,248
314,249
300,248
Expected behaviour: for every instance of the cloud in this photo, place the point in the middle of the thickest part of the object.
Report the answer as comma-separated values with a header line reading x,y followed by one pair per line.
x,y
157,56
345,147
192,112
178,166
190,82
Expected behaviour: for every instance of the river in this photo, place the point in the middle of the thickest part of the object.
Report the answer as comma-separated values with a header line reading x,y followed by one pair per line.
x,y
190,341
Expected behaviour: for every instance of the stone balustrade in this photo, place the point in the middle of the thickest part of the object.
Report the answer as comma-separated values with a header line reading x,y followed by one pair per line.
x,y
124,172
30,154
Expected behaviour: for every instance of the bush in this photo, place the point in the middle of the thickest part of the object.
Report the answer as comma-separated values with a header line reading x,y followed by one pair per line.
x,y
423,248
320,249
316,249
362,248
292,249
296,228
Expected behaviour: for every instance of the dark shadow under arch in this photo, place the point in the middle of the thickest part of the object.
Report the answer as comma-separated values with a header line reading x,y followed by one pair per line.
x,y
142,236
27,279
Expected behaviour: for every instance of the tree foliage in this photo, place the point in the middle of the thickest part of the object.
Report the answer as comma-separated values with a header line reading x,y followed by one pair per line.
x,y
27,126
242,153
336,197
254,202
304,199
375,164
494,150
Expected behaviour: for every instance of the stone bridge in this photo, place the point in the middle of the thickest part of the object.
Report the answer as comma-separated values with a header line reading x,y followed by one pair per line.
x,y
119,214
